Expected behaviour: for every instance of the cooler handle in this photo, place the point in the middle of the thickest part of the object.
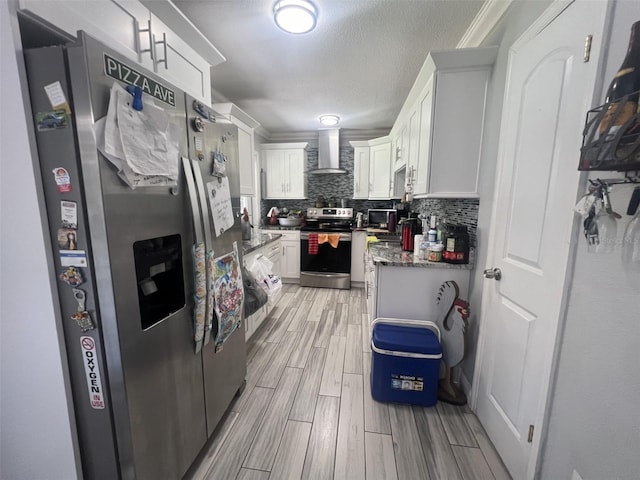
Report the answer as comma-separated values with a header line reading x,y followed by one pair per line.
x,y
406,322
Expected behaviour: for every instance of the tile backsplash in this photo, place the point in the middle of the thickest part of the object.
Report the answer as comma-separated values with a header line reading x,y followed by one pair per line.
x,y
461,211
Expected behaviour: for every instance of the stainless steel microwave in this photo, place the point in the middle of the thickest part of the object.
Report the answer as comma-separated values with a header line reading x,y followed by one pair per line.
x,y
379,217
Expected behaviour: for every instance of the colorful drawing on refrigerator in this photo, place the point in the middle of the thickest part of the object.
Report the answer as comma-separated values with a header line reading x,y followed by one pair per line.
x,y
229,294
211,300
200,293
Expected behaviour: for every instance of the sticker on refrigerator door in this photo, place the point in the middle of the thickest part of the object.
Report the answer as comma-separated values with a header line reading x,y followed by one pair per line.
x,y
92,371
83,319
56,97
69,214
73,258
63,179
72,277
68,240
54,120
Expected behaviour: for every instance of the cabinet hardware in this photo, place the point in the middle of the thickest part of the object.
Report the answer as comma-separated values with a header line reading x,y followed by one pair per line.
x,y
137,32
587,48
155,54
530,436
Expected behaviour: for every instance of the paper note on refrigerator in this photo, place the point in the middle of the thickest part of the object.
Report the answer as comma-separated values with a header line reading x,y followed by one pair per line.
x,y
220,202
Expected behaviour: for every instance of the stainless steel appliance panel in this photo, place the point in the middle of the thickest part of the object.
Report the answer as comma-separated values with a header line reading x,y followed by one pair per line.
x,y
225,370
154,420
330,267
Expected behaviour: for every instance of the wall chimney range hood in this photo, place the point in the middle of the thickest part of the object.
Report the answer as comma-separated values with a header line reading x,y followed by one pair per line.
x,y
328,152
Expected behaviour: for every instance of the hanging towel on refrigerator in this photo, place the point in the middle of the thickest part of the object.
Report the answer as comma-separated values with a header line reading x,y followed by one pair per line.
x,y
313,244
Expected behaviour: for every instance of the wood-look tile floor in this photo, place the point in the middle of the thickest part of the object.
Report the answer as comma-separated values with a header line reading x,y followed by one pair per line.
x,y
307,411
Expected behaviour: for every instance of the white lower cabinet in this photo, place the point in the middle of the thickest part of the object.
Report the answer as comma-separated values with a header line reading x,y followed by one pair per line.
x,y
358,241
272,252
409,292
290,255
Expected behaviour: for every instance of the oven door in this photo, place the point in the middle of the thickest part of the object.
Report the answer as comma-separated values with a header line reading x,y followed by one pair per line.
x,y
327,266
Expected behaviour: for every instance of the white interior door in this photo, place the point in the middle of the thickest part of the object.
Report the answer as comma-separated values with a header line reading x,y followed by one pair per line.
x,y
549,89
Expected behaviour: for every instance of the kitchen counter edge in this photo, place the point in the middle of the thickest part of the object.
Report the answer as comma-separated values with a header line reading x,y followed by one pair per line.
x,y
391,255
258,241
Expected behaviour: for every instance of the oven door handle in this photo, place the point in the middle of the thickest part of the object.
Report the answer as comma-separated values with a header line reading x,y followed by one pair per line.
x,y
344,236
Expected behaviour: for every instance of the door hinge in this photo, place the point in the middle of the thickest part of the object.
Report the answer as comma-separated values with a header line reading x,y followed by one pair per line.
x,y
587,48
530,436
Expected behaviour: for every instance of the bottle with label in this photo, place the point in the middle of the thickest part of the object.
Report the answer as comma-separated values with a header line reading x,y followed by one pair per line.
x,y
456,245
622,95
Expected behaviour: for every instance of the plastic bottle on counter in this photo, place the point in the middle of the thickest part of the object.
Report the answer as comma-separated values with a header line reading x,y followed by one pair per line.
x,y
417,240
392,222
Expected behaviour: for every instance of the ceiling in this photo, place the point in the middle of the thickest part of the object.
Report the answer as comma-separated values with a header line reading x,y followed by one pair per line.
x,y
360,62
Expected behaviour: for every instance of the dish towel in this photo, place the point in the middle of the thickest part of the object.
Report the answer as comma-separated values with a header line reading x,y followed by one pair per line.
x,y
313,244
332,238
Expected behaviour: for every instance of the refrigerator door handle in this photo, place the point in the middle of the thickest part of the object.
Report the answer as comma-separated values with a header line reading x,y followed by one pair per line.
x,y
193,200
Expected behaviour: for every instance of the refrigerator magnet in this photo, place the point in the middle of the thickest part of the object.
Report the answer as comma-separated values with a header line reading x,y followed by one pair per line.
x,y
63,180
73,258
84,321
56,97
53,120
69,214
68,239
72,277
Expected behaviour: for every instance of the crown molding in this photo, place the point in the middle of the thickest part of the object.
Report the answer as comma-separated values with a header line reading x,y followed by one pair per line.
x,y
487,18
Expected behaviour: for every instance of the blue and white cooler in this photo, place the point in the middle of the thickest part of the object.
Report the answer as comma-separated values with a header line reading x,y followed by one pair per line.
x,y
405,361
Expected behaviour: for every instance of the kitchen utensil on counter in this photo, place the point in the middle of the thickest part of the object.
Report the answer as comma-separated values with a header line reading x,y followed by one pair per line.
x,y
409,227
290,221
344,203
331,203
319,203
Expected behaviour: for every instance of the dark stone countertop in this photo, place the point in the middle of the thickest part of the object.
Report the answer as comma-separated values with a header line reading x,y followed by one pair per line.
x,y
390,254
257,241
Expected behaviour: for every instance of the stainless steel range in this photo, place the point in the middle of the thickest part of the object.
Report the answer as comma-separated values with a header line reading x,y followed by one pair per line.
x,y
325,248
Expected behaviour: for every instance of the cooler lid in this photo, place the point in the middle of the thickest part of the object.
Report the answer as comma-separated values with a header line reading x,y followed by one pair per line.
x,y
401,338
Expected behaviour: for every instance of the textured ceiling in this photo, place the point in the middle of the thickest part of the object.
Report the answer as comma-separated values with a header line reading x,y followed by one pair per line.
x,y
360,61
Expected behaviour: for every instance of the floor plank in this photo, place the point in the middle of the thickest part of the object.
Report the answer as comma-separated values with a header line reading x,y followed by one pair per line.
x,y
319,462
278,328
228,460
353,352
300,318
376,414
265,445
341,320
486,447
331,383
255,369
248,474
325,329
220,436
278,361
305,402
472,463
300,353
350,459
435,445
458,432
410,461
380,459
293,447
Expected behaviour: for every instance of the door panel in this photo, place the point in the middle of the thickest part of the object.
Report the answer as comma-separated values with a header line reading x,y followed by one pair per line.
x,y
549,89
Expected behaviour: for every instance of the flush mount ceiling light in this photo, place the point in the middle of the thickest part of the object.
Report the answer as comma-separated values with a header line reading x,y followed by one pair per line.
x,y
295,16
329,120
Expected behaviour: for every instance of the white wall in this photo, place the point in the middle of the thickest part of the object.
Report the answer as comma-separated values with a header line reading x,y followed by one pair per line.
x,y
594,421
36,434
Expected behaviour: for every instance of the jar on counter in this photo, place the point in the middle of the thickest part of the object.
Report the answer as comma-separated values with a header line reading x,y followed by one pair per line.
x,y
456,244
434,253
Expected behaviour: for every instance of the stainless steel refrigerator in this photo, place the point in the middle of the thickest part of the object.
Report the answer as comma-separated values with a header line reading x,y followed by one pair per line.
x,y
146,395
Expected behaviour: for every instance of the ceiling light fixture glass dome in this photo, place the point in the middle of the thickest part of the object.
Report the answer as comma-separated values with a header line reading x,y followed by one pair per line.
x,y
329,120
295,16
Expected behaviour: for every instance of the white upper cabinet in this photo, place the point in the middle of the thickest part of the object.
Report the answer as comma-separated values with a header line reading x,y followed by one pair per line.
x,y
360,169
246,125
284,168
380,169
171,47
445,112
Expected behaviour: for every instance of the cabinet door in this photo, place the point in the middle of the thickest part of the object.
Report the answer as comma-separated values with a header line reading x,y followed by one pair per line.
x,y
245,156
358,240
179,63
380,172
274,174
361,172
421,174
113,22
295,166
290,259
414,139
